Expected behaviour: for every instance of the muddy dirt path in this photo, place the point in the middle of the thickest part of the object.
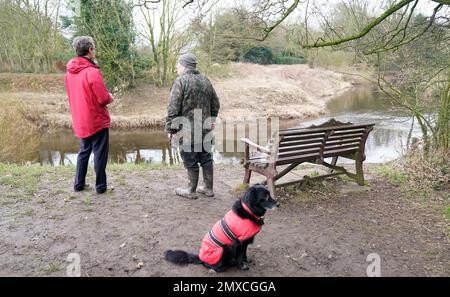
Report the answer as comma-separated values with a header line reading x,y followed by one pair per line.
x,y
315,233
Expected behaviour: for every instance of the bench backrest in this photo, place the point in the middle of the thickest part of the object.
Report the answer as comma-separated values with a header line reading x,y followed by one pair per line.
x,y
330,139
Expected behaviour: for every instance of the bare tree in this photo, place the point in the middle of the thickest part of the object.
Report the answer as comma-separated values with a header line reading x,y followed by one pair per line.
x,y
161,19
29,35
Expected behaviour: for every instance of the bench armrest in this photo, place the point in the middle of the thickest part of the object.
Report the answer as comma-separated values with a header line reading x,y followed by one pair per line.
x,y
258,147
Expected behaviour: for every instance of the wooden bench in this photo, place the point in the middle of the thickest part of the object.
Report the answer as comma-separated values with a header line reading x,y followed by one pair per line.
x,y
295,146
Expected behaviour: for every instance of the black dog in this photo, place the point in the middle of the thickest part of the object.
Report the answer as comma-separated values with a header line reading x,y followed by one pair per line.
x,y
226,244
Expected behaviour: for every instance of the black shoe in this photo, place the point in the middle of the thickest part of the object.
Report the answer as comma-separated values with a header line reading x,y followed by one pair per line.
x,y
102,191
79,189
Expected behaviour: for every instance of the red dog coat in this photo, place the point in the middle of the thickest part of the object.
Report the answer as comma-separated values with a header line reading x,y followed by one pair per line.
x,y
225,232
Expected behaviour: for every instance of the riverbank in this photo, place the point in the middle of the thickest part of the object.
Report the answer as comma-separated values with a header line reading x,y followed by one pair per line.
x,y
251,91
332,226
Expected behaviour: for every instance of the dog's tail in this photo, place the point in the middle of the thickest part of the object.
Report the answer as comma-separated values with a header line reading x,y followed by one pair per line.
x,y
181,257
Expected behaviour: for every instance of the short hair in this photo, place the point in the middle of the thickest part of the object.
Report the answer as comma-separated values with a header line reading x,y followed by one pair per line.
x,y
82,44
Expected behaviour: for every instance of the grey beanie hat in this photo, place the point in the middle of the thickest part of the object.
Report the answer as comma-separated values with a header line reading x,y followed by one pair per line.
x,y
188,60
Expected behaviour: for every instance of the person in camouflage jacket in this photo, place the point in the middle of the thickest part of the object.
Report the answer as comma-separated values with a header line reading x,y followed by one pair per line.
x,y
193,107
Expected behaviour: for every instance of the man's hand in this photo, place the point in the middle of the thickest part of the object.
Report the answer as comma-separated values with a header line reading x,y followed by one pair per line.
x,y
169,136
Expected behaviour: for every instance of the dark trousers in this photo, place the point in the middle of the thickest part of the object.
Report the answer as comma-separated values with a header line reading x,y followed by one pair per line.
x,y
99,143
192,159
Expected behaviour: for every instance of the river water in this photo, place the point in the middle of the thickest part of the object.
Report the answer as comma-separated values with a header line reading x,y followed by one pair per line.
x,y
386,142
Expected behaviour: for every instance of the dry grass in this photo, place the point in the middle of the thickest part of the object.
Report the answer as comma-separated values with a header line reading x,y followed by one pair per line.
x,y
19,134
419,176
432,171
14,82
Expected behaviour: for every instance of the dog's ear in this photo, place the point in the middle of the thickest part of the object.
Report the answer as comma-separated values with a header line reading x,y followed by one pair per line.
x,y
250,192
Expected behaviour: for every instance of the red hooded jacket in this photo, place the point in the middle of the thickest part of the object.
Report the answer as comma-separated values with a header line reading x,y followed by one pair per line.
x,y
88,97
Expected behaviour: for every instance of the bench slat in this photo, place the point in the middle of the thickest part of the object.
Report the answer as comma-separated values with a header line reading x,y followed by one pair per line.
x,y
292,131
343,141
289,160
302,137
340,152
331,127
299,153
336,137
298,147
319,138
334,147
345,132
306,151
299,142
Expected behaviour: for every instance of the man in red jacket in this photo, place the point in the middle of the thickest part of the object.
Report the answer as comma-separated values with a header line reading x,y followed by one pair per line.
x,y
88,98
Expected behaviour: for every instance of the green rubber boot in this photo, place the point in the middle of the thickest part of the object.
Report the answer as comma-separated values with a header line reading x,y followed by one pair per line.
x,y
190,191
208,174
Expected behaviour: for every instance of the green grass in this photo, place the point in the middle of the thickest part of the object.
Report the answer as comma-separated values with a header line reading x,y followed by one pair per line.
x,y
24,177
87,201
314,174
240,189
52,267
27,212
446,212
69,198
446,197
345,178
126,167
12,198
56,192
395,176
121,181
28,178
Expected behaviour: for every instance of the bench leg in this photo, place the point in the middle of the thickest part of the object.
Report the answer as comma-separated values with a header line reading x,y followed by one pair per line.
x,y
359,171
247,176
271,186
333,162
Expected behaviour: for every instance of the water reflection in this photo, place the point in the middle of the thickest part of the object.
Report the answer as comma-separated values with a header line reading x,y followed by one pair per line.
x,y
125,147
393,129
362,99
386,142
389,138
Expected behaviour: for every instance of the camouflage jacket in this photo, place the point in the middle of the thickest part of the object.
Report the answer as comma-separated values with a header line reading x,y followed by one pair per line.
x,y
191,94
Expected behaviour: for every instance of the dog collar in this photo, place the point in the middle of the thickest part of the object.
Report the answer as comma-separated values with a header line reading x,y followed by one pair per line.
x,y
247,209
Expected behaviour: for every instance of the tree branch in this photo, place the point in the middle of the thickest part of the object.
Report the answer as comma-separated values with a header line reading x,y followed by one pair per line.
x,y
365,30
283,17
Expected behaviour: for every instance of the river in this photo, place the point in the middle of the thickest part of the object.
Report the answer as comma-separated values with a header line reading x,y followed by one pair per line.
x,y
386,142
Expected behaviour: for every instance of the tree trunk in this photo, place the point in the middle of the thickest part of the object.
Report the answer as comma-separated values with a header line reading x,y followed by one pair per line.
x,y
443,119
